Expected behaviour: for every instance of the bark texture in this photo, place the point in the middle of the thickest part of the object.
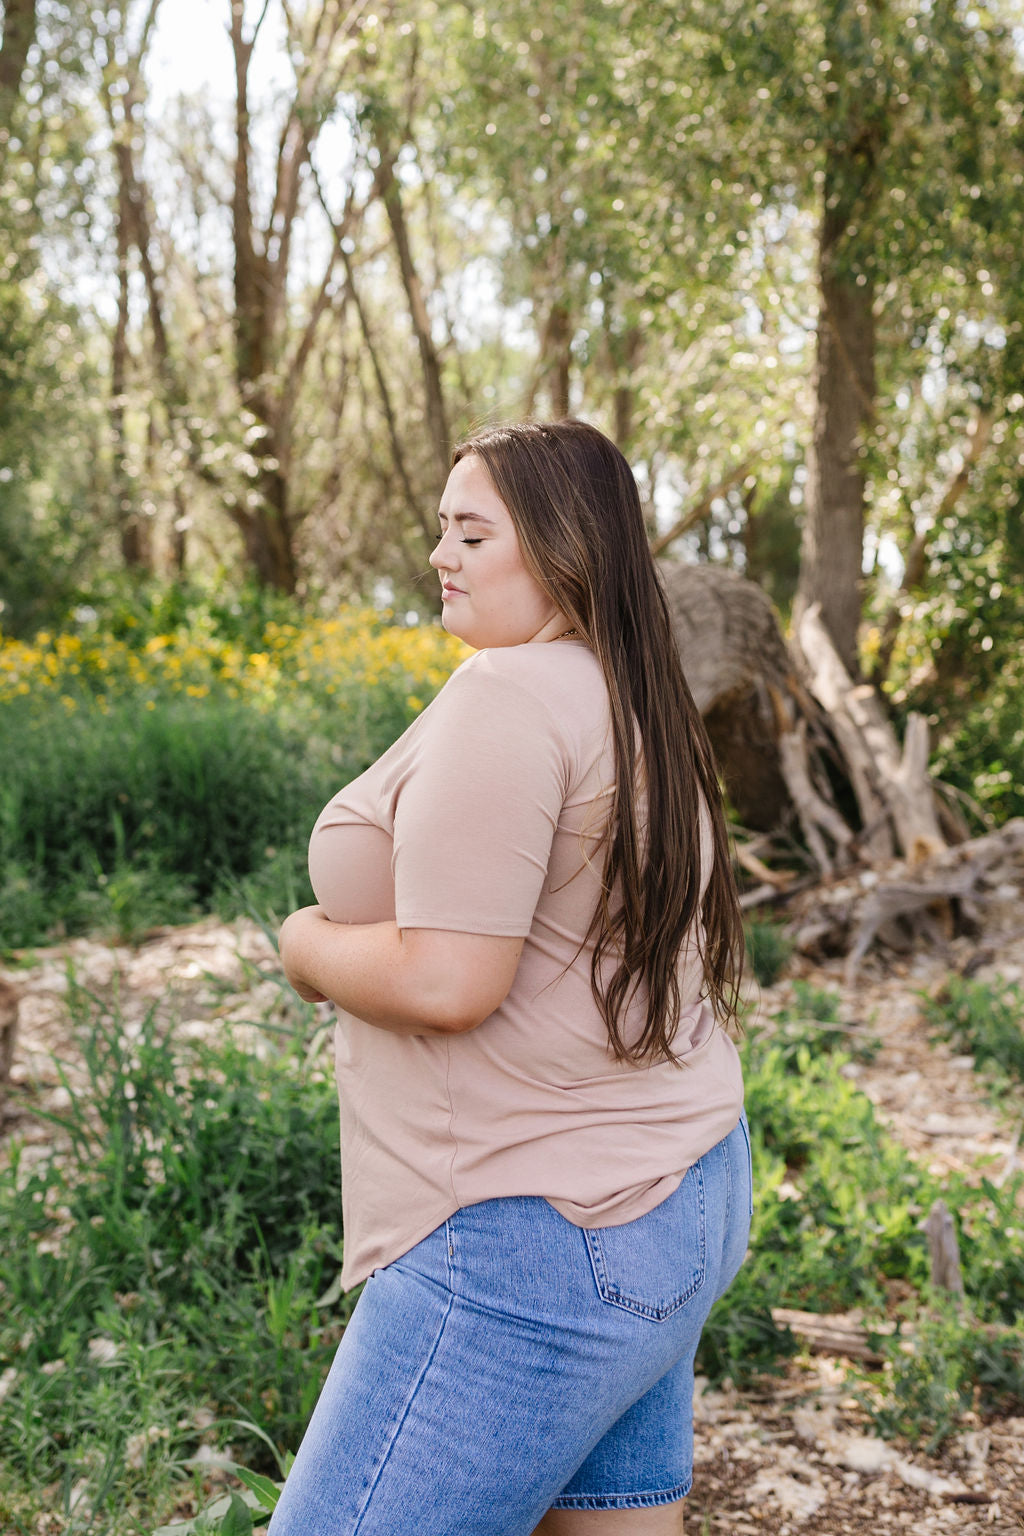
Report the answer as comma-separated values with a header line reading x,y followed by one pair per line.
x,y
742,679
794,732
430,363
844,388
803,747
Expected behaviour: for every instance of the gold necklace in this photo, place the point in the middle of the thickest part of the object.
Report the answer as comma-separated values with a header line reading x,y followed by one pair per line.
x,y
566,633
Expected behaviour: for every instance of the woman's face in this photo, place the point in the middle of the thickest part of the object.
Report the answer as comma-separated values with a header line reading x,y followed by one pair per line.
x,y
489,597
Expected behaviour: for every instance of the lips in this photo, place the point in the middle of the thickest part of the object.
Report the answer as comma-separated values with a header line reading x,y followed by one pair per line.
x,y
450,591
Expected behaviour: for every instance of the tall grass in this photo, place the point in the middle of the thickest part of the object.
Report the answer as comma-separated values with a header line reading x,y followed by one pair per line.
x,y
167,1271
168,1268
144,783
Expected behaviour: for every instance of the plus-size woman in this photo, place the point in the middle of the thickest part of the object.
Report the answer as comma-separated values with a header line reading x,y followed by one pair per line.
x,y
527,917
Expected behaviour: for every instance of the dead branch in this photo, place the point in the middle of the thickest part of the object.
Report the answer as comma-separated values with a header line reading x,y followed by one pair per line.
x,y
699,511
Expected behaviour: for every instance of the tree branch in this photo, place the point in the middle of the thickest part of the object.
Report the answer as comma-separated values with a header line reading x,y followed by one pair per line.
x,y
699,511
914,565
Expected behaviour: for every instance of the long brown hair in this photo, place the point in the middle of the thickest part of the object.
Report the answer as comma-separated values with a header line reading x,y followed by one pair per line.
x,y
577,513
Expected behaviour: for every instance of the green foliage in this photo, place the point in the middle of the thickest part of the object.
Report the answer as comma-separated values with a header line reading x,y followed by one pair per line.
x,y
125,818
153,773
984,1019
769,948
839,1205
232,1514
943,1367
178,1249
168,1267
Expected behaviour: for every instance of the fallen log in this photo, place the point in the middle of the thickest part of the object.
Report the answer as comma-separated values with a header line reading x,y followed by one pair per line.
x,y
954,875
809,756
894,792
839,1334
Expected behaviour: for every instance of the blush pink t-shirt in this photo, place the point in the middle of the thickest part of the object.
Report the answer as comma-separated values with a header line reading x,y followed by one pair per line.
x,y
486,817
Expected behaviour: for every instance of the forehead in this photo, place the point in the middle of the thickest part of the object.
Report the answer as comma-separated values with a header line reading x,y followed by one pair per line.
x,y
470,494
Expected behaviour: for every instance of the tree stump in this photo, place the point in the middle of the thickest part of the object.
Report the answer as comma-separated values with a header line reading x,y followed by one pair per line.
x,y
802,745
742,679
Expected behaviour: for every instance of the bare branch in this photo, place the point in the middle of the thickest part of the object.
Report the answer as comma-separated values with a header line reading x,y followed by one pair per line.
x,y
915,562
699,511
145,37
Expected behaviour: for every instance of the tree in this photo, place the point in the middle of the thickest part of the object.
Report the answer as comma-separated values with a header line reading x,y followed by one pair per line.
x,y
19,30
871,107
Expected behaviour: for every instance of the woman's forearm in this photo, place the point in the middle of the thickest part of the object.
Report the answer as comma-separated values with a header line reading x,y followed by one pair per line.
x,y
416,982
360,966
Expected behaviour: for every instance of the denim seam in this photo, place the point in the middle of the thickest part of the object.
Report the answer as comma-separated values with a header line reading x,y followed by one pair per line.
x,y
404,1415
728,1188
614,1297
449,1243
640,1500
745,1128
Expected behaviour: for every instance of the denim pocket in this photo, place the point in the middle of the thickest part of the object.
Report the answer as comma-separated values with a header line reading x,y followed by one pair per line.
x,y
653,1265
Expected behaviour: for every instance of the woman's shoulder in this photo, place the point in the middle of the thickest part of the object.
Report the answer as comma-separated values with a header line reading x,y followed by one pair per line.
x,y
557,687
535,665
553,673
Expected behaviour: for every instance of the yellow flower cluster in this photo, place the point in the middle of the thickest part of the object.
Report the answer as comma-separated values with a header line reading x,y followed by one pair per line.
x,y
357,650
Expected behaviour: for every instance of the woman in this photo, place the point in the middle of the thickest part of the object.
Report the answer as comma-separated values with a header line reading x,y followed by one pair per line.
x,y
527,911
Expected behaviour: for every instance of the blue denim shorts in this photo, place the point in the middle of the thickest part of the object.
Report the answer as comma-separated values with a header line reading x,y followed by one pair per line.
x,y
513,1362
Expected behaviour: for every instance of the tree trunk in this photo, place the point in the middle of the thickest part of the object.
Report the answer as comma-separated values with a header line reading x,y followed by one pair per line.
x,y
19,32
791,730
267,531
742,680
430,366
844,388
625,353
556,357
249,289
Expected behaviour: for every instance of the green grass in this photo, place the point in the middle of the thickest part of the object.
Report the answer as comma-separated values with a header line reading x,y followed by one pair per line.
x,y
164,1278
769,949
168,1269
117,822
983,1020
839,1205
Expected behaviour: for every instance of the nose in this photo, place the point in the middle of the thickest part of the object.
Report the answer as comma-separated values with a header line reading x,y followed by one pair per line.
x,y
444,555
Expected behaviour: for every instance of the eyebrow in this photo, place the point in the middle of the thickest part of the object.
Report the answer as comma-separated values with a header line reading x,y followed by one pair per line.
x,y
468,517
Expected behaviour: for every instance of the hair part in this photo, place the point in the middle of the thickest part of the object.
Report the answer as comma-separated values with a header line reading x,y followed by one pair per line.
x,y
577,513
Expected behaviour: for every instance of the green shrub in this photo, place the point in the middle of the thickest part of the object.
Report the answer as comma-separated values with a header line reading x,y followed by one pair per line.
x,y
146,777
983,1019
769,949
130,818
945,1366
837,1204
179,1247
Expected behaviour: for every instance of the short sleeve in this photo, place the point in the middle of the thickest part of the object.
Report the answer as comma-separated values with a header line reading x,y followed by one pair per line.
x,y
477,808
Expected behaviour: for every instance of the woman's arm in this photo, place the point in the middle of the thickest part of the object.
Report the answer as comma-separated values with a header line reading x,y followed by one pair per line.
x,y
416,981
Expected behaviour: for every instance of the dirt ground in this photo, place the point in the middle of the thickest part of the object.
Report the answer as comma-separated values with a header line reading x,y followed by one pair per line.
x,y
796,1456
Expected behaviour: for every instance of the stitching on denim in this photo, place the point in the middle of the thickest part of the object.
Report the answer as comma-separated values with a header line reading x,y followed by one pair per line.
x,y
449,1254
404,1415
727,1159
750,1161
623,1500
610,1292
